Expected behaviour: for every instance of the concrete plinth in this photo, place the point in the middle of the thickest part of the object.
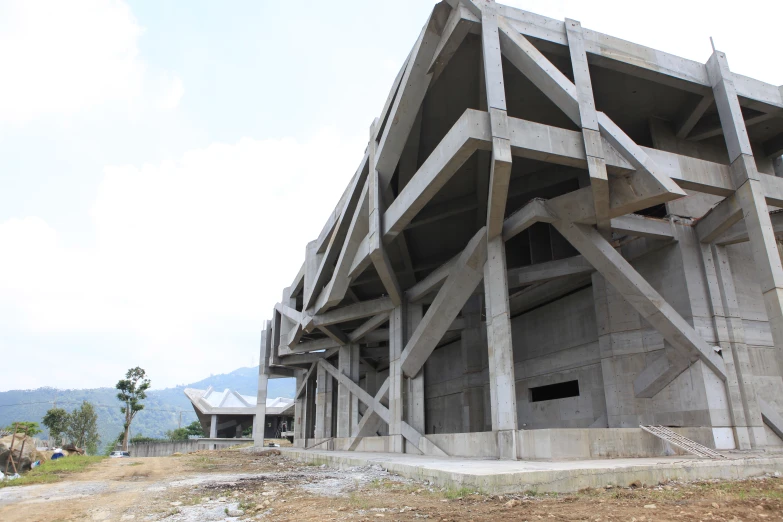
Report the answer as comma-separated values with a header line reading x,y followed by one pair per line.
x,y
504,476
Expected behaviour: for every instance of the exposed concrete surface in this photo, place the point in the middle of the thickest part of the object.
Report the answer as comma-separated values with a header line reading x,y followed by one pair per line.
x,y
504,476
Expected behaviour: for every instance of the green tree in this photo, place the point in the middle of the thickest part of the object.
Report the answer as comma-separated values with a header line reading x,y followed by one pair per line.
x,y
83,427
132,390
194,428
31,428
56,420
178,434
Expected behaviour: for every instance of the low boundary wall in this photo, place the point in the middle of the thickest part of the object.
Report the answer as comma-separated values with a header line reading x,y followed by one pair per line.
x,y
164,449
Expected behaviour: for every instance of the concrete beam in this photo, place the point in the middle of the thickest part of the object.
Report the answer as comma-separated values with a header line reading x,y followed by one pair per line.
x,y
596,164
658,374
692,117
337,238
337,287
368,326
451,153
771,417
352,312
542,272
773,147
458,25
719,219
718,130
431,282
640,61
658,186
500,166
535,211
463,278
642,226
335,334
539,70
739,232
640,294
413,87
410,434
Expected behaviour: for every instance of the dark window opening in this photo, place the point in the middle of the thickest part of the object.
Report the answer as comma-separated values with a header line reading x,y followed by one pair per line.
x,y
551,392
656,211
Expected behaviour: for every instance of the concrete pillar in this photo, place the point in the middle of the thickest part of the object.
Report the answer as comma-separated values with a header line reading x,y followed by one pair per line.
x,y
415,387
474,350
299,411
724,406
323,404
347,404
777,164
596,165
259,421
213,427
310,399
502,384
746,413
397,321
750,193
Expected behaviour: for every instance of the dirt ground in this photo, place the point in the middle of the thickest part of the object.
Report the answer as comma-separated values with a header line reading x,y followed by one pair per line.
x,y
239,485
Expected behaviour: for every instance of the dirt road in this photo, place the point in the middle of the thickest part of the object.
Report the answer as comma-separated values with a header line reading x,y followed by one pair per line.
x,y
238,485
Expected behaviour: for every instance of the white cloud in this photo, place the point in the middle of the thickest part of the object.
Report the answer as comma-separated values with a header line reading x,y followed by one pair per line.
x,y
190,257
60,58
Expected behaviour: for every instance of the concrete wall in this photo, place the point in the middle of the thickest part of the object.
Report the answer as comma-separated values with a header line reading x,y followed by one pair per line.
x,y
766,378
164,449
553,344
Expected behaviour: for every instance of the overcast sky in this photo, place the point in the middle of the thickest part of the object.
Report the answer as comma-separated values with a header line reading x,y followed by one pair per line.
x,y
163,164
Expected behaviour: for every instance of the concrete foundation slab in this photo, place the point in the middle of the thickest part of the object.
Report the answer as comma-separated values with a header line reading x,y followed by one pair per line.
x,y
504,476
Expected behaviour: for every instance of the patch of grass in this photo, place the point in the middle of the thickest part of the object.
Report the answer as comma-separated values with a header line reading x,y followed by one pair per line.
x,y
246,505
135,464
455,493
54,470
358,501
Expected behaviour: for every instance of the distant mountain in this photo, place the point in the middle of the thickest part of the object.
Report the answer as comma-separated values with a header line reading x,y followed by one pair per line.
x,y
161,408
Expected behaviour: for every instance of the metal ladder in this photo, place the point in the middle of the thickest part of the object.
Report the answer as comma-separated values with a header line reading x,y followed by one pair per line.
x,y
681,442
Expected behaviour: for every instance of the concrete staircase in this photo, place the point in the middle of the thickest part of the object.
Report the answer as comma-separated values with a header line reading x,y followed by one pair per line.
x,y
684,443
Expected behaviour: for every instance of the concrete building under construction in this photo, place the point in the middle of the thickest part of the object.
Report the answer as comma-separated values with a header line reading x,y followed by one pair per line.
x,y
554,237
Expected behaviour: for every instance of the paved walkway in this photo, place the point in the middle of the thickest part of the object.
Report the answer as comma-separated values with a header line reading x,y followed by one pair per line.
x,y
503,476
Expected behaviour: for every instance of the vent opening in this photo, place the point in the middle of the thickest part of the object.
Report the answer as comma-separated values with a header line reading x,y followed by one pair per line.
x,y
551,392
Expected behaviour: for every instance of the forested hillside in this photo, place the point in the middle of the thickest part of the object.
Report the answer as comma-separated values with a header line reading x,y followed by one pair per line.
x,y
162,407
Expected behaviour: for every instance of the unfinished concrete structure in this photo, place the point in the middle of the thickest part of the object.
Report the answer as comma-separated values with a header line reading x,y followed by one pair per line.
x,y
554,237
226,414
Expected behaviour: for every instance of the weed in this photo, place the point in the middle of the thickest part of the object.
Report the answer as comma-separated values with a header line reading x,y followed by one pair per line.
x,y
453,493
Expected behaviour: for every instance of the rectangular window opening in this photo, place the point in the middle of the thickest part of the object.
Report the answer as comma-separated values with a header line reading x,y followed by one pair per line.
x,y
551,392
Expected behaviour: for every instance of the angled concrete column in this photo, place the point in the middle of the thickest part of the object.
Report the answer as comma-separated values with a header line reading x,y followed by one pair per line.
x,y
750,192
397,321
596,165
347,406
502,384
263,378
415,386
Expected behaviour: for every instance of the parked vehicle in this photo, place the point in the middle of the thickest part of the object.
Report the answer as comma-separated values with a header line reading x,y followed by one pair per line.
x,y
119,454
